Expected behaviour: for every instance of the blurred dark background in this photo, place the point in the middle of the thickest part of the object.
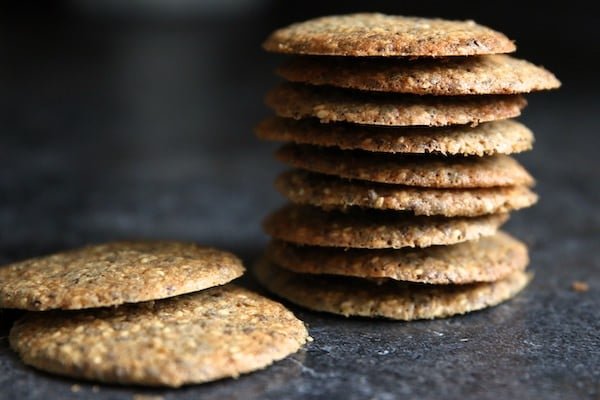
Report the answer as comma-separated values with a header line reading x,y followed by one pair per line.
x,y
122,119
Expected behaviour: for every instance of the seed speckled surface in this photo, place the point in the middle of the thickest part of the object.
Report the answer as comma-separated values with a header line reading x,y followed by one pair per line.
x,y
216,333
374,34
417,170
394,300
294,100
494,74
497,137
485,260
114,273
374,229
329,192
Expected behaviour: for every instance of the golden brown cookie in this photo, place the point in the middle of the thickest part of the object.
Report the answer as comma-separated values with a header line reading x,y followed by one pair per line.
x,y
217,333
485,260
416,170
374,229
494,74
331,105
372,34
114,273
329,192
497,137
395,300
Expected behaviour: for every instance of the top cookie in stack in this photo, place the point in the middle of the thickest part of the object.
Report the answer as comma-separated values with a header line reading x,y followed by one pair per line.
x,y
400,136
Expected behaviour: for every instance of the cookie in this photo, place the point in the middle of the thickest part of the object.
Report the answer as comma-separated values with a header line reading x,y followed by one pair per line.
x,y
394,300
373,34
330,193
416,170
485,260
217,333
494,74
374,229
332,105
497,137
114,273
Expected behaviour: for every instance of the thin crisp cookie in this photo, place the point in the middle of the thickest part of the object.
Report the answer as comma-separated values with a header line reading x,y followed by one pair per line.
x,y
493,74
485,260
421,171
342,105
488,138
114,273
217,333
374,34
375,229
394,300
329,192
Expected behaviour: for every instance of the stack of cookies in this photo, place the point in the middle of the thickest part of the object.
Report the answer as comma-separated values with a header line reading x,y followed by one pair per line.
x,y
399,131
144,313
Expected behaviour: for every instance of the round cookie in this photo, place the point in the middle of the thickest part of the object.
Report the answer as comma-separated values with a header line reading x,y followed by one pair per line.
x,y
217,333
329,192
421,171
488,138
374,230
485,260
331,105
114,273
374,34
494,74
393,300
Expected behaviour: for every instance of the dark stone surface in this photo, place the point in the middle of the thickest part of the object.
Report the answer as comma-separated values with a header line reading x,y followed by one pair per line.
x,y
146,132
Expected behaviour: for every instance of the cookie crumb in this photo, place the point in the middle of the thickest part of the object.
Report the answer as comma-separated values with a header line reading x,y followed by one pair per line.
x,y
75,388
580,286
147,397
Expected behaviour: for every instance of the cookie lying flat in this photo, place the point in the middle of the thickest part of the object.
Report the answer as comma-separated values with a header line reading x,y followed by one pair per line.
x,y
372,34
497,137
114,273
422,171
330,193
200,337
494,74
374,229
484,260
394,300
331,105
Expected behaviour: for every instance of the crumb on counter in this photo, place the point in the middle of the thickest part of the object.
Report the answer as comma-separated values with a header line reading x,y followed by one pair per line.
x,y
580,286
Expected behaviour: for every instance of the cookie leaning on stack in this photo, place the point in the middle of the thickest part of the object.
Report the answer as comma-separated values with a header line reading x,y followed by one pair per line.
x,y
173,319
400,134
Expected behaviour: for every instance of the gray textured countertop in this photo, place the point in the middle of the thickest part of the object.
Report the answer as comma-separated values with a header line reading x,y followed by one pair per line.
x,y
123,141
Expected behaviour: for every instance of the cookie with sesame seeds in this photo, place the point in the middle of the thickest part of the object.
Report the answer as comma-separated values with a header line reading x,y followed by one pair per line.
x,y
455,76
194,338
330,192
350,296
328,104
410,170
375,34
374,229
114,273
485,260
496,137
